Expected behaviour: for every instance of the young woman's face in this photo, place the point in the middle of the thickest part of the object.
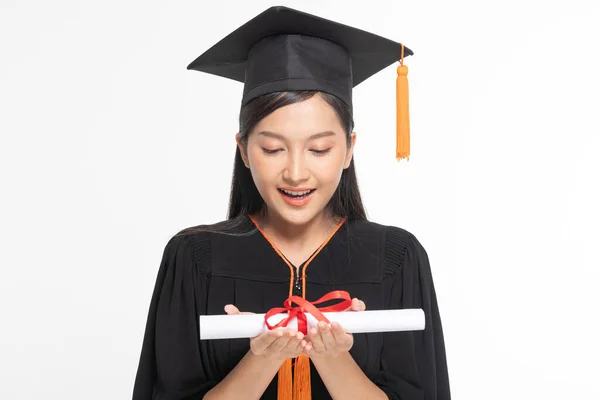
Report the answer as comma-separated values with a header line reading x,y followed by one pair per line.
x,y
296,156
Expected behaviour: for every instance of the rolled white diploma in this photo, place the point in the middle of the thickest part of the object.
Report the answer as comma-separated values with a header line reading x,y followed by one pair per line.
x,y
251,325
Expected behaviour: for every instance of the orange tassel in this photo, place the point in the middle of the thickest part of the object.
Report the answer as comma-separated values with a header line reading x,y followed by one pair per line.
x,y
402,112
284,381
302,378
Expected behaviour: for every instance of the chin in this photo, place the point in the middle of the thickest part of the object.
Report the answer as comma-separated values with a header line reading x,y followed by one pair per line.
x,y
297,216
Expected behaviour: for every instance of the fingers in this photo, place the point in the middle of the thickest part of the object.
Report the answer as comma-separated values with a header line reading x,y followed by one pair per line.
x,y
327,336
328,340
261,343
231,309
341,338
319,338
301,346
315,343
279,343
295,345
358,305
282,341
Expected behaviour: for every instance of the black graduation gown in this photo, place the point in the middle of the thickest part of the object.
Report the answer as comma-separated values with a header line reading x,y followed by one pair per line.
x,y
200,273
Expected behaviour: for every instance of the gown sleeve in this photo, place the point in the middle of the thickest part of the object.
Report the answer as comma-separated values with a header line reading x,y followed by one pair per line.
x,y
172,365
413,364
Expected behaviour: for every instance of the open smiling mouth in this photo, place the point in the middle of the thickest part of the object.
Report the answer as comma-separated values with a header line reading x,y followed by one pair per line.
x,y
297,194
297,198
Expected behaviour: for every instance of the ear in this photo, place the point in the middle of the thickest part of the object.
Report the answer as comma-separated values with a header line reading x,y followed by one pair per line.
x,y
350,150
243,150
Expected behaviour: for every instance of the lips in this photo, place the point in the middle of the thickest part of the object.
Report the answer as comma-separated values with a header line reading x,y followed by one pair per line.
x,y
296,197
296,193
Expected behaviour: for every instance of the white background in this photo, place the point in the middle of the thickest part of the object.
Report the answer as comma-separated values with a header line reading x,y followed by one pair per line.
x,y
109,146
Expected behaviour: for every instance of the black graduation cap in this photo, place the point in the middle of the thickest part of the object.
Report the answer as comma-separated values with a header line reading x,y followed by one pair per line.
x,y
283,49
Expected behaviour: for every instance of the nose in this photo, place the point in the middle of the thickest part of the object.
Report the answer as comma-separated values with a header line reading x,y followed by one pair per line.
x,y
296,171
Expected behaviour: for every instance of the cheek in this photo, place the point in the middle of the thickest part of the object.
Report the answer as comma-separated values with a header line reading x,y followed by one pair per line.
x,y
263,171
329,169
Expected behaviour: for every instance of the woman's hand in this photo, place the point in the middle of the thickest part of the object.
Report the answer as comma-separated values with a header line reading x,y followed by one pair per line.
x,y
331,341
274,344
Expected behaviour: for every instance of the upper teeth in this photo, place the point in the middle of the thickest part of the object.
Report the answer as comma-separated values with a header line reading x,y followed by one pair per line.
x,y
292,193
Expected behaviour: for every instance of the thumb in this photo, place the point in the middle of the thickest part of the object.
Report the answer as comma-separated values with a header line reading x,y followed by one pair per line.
x,y
358,305
231,309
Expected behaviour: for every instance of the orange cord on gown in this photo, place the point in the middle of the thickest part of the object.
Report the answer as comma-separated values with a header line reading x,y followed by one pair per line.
x,y
298,388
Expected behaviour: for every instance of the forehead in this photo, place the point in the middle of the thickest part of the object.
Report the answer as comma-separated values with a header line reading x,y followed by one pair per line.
x,y
302,119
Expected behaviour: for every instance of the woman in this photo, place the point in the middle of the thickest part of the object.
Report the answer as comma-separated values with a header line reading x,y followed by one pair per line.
x,y
296,226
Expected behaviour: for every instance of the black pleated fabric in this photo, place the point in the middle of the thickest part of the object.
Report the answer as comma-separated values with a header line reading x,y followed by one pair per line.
x,y
386,267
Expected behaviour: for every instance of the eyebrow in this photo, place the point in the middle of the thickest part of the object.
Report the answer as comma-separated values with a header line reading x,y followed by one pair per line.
x,y
276,135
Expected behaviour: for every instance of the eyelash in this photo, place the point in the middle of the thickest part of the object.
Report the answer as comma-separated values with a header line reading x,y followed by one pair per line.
x,y
321,152
269,151
275,151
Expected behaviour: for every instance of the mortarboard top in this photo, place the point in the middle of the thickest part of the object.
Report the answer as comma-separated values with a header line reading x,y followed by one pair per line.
x,y
283,49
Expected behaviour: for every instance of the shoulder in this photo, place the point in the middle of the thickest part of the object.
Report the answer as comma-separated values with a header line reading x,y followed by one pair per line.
x,y
204,240
396,243
393,236
192,244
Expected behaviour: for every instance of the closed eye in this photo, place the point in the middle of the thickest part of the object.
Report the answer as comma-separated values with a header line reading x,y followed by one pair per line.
x,y
271,151
321,152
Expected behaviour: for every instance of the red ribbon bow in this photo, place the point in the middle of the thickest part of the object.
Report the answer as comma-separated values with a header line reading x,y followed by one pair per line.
x,y
309,307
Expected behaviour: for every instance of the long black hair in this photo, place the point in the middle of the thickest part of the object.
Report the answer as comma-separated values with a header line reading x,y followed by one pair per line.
x,y
244,198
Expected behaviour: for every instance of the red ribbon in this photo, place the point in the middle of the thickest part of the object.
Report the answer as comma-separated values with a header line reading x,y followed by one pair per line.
x,y
305,306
